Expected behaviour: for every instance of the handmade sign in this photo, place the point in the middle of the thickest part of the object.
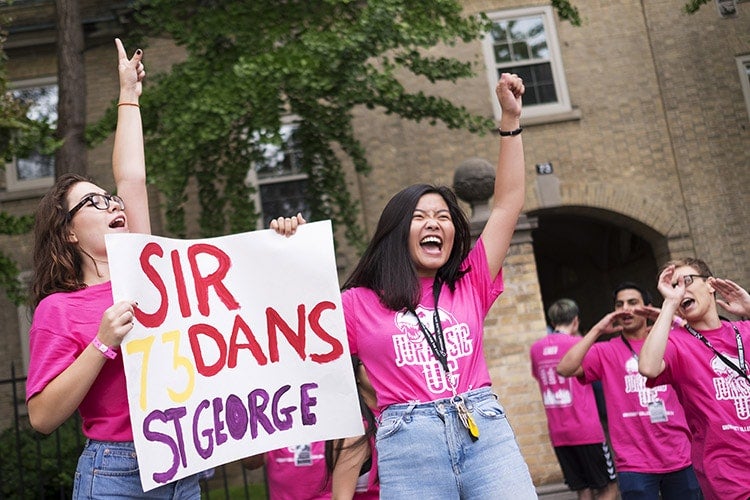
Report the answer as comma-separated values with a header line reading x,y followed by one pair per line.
x,y
239,347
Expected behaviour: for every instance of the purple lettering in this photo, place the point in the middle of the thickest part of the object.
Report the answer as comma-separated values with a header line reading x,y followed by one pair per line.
x,y
208,450
178,448
306,401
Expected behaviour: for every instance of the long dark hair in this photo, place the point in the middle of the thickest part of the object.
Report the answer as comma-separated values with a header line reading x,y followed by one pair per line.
x,y
57,262
334,448
386,266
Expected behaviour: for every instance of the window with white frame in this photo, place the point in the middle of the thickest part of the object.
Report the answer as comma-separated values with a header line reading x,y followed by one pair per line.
x,y
35,170
524,41
743,65
281,183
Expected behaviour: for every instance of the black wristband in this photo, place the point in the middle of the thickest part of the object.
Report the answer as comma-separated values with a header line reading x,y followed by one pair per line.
x,y
510,133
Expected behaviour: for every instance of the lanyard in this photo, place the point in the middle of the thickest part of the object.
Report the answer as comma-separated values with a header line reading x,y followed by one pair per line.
x,y
435,340
629,346
742,369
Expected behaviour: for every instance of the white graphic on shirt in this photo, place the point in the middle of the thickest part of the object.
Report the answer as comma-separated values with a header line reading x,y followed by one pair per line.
x,y
412,349
730,386
557,391
635,382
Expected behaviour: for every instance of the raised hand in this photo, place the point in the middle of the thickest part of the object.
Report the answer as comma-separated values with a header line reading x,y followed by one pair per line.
x,y
735,300
509,90
132,71
287,226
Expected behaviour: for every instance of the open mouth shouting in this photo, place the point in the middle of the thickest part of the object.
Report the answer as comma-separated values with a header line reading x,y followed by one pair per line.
x,y
117,222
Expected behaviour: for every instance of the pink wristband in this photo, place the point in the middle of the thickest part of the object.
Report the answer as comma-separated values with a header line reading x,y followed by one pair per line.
x,y
104,349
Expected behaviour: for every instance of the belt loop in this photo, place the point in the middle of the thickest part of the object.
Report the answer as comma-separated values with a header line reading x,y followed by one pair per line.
x,y
409,409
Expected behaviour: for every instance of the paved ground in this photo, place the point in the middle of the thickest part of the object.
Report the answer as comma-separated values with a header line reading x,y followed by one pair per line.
x,y
555,492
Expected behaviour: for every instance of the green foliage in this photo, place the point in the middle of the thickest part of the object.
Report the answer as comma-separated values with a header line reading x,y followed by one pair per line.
x,y
694,5
37,466
251,64
19,136
567,11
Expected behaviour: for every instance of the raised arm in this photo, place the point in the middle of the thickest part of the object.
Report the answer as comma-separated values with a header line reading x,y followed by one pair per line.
x,y
735,300
128,157
651,357
508,197
571,364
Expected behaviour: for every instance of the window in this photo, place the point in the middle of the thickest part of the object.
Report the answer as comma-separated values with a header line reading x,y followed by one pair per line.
x,y
280,181
524,41
743,65
36,170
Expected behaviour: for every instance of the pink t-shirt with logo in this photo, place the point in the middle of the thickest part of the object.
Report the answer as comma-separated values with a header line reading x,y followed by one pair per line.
x,y
572,415
398,359
298,472
717,405
640,445
64,325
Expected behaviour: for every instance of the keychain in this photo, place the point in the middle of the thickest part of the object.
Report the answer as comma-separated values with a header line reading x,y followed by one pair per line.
x,y
465,416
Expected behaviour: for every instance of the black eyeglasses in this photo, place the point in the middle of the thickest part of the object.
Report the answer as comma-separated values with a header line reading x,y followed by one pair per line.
x,y
688,279
98,200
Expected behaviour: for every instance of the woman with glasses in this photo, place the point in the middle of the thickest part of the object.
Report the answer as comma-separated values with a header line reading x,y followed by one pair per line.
x,y
75,363
703,357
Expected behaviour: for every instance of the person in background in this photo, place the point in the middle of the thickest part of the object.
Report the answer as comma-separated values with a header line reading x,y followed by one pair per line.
x,y
703,357
647,426
294,472
76,329
573,421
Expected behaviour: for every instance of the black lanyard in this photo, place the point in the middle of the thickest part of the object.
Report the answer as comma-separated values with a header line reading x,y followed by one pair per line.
x,y
629,346
742,369
435,340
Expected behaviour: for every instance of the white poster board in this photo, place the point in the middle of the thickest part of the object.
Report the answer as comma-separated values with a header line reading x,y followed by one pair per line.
x,y
239,347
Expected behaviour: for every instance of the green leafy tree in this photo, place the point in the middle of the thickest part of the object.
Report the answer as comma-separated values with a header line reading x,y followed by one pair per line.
x,y
251,64
19,136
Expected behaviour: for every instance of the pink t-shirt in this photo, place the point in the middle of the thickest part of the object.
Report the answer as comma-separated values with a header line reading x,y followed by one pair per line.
x,y
398,359
64,325
717,405
298,473
640,445
572,415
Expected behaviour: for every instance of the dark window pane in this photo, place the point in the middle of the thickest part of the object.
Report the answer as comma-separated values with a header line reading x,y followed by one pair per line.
x,y
502,53
537,78
36,166
284,199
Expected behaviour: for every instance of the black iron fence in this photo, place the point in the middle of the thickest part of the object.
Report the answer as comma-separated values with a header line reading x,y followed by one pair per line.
x,y
35,466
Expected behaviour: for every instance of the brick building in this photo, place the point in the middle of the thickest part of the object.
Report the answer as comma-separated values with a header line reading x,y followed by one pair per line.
x,y
637,133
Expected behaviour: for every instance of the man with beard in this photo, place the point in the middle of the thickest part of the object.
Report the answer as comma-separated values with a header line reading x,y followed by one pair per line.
x,y
647,426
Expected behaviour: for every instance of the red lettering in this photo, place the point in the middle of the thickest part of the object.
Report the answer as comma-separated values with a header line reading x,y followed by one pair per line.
x,y
252,344
296,340
336,348
200,363
157,318
203,283
179,278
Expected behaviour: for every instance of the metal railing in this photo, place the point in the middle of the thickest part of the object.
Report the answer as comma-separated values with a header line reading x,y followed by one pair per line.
x,y
33,465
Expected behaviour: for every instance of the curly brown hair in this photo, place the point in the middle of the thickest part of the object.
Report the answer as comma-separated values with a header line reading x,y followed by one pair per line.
x,y
57,262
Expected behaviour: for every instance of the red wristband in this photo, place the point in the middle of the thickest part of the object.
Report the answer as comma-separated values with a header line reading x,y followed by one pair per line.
x,y
104,349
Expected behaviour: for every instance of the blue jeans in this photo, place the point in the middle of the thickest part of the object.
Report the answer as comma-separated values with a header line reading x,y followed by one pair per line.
x,y
110,470
677,485
425,452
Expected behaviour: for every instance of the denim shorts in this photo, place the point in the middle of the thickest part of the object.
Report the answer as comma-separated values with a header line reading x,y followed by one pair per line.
x,y
110,470
425,452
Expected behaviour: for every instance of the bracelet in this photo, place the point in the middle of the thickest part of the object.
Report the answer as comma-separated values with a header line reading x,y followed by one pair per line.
x,y
104,349
128,104
510,133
